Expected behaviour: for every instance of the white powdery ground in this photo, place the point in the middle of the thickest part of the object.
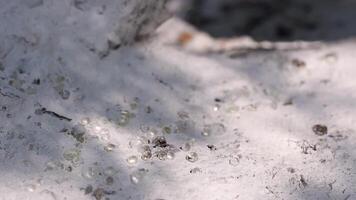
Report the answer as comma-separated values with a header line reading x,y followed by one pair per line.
x,y
266,148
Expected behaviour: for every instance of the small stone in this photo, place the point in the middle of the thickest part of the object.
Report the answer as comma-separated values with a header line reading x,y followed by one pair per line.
x,y
132,160
320,130
192,157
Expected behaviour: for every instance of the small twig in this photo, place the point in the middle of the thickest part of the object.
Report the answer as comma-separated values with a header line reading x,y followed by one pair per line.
x,y
10,95
162,81
51,113
271,191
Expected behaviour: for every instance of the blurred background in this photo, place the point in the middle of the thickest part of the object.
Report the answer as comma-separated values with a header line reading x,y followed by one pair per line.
x,y
272,20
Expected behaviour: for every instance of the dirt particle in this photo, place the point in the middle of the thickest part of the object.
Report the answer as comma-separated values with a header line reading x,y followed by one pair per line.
x,y
192,157
88,189
211,147
303,182
291,170
298,63
36,81
320,130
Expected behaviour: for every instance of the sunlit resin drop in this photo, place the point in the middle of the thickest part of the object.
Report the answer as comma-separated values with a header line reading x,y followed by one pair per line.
x,y
31,187
109,147
162,155
192,157
137,176
214,129
234,161
132,160
89,173
186,146
170,155
85,121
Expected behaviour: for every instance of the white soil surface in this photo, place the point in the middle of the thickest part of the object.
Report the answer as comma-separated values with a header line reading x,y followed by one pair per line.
x,y
70,120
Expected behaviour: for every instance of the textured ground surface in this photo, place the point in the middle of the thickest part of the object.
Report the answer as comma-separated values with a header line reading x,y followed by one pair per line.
x,y
166,119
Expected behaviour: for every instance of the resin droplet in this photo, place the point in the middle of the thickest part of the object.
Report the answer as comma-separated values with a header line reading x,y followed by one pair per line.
x,y
31,187
89,173
161,155
186,147
85,121
192,157
214,129
234,161
137,176
132,160
170,155
110,147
